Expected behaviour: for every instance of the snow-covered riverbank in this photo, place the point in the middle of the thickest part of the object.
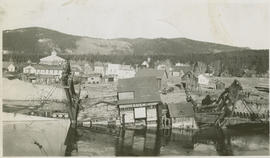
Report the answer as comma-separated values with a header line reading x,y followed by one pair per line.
x,y
20,90
20,117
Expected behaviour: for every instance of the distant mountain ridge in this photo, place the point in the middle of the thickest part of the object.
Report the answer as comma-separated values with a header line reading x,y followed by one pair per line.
x,y
42,41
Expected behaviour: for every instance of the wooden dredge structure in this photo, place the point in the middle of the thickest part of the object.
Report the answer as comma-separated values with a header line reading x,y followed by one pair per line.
x,y
73,98
221,112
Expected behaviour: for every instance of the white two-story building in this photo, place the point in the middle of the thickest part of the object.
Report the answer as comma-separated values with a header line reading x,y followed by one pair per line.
x,y
49,70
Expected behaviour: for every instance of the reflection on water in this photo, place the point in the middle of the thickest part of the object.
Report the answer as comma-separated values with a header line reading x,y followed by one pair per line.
x,y
56,138
34,138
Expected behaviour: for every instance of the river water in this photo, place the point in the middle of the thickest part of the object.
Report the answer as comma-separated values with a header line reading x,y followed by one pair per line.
x,y
57,138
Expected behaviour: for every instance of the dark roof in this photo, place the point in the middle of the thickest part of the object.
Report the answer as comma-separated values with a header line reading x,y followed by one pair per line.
x,y
151,72
180,109
145,89
189,73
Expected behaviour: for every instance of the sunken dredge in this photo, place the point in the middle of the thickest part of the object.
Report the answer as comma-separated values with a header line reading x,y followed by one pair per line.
x,y
233,109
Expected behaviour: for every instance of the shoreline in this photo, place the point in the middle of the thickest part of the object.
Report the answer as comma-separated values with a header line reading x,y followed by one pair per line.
x,y
12,117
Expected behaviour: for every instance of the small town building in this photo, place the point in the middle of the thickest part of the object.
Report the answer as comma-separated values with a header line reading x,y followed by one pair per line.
x,y
179,71
219,85
145,64
76,70
190,81
160,75
113,69
29,70
120,71
53,59
100,68
182,115
48,73
44,73
203,80
109,78
9,66
139,101
126,71
87,69
48,70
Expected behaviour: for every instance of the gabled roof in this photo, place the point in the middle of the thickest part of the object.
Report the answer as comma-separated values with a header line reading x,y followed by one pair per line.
x,y
180,109
28,66
151,72
189,73
52,58
145,89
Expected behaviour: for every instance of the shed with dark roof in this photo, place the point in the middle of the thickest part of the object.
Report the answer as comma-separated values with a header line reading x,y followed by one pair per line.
x,y
180,110
182,115
160,75
145,89
138,100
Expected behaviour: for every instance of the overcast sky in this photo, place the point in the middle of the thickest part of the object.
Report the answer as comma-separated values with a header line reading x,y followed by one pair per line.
x,y
235,22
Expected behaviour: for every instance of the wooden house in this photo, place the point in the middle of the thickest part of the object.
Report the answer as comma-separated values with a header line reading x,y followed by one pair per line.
x,y
190,80
160,75
203,80
139,101
100,68
109,78
29,70
182,115
44,73
8,66
126,71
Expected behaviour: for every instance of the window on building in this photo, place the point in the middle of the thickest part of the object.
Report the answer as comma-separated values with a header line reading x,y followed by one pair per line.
x,y
140,112
126,95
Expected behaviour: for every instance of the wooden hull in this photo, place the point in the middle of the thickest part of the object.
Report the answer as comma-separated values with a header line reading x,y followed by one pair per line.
x,y
205,119
208,119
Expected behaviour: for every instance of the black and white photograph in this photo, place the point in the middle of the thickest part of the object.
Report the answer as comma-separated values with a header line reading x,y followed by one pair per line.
x,y
134,78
